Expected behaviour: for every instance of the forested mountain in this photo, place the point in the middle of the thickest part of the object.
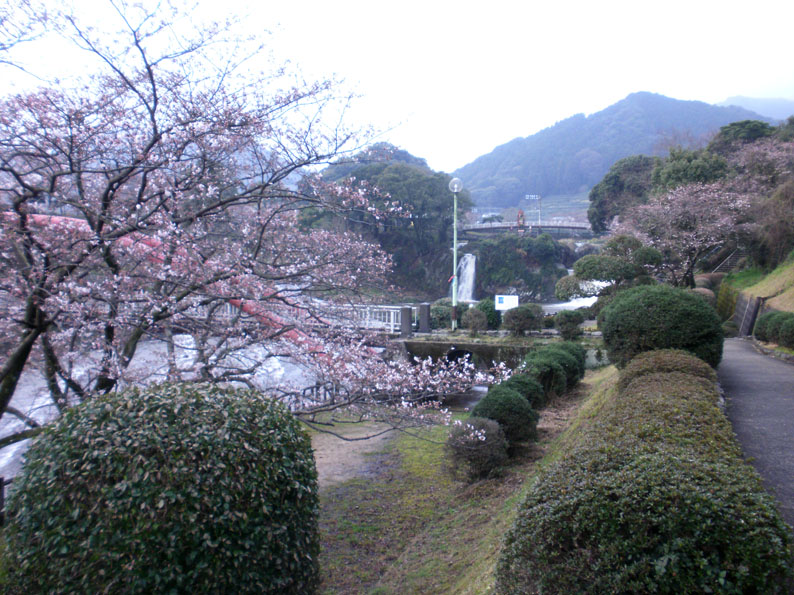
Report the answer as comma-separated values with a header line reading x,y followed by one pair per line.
x,y
418,238
574,154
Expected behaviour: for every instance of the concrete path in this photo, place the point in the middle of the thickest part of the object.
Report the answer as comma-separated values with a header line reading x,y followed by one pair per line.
x,y
759,391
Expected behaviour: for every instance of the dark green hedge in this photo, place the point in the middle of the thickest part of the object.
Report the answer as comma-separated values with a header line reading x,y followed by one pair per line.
x,y
488,307
175,488
527,387
567,322
660,317
511,411
526,317
573,371
665,360
546,368
769,325
576,350
652,497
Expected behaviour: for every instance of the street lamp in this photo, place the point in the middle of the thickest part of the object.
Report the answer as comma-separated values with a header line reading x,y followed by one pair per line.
x,y
455,186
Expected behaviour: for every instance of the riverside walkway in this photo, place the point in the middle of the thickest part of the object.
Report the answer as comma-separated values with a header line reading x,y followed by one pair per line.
x,y
759,391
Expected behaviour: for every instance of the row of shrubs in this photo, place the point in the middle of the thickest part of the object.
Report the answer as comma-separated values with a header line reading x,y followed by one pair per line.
x,y
526,317
652,496
776,327
508,414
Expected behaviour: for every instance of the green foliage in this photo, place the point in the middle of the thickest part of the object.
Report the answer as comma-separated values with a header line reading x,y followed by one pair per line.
x,y
785,334
707,295
475,320
773,325
526,317
441,313
663,361
571,287
624,261
683,167
567,322
735,133
726,300
546,368
528,387
653,497
488,307
511,411
569,363
414,241
173,488
577,351
476,448
600,267
660,317
531,264
626,184
760,330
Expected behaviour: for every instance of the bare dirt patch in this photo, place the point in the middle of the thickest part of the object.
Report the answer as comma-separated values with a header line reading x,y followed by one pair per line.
x,y
339,460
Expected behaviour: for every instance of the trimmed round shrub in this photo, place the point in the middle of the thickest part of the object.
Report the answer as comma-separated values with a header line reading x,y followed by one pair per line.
x,y
645,523
568,362
527,387
660,317
774,323
707,294
511,411
476,448
548,322
665,360
703,281
761,324
474,320
547,370
526,317
488,307
171,488
567,322
576,350
785,336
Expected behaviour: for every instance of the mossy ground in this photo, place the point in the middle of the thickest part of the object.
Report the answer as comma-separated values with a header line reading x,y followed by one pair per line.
x,y
413,529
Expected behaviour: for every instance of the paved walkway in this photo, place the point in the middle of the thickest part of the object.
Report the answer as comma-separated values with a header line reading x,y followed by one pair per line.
x,y
759,391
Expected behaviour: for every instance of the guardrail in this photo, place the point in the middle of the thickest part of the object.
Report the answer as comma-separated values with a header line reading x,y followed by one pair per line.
x,y
363,316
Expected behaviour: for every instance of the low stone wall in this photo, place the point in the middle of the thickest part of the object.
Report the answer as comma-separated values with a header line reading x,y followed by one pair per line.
x,y
748,307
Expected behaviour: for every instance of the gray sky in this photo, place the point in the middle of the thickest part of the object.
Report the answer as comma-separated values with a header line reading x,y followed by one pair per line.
x,y
452,80
449,81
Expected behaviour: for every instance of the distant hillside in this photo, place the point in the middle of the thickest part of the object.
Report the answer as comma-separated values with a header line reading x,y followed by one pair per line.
x,y
574,154
779,109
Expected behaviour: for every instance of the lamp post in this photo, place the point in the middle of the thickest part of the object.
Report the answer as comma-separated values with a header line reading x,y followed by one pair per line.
x,y
455,186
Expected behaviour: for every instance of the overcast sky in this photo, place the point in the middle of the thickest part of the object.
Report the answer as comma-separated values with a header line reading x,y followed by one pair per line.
x,y
449,81
452,80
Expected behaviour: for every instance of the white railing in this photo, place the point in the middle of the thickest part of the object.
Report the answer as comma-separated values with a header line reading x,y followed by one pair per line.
x,y
363,316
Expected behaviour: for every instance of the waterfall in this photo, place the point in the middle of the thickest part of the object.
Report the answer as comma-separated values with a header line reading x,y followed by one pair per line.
x,y
465,273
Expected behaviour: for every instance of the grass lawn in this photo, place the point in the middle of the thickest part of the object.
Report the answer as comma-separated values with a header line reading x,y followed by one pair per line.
x,y
411,528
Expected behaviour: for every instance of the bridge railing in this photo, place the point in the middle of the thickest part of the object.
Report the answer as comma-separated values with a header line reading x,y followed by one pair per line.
x,y
384,318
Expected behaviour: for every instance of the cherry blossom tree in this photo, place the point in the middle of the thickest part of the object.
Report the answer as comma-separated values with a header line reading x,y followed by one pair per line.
x,y
686,223
159,198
